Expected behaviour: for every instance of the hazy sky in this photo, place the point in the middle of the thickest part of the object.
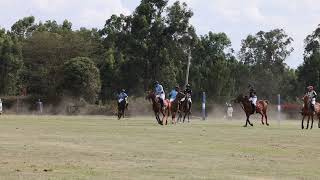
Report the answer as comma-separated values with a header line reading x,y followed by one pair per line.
x,y
237,18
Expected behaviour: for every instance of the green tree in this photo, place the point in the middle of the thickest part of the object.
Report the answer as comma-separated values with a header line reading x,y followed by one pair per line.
x,y
211,69
110,79
308,72
81,79
152,40
23,28
10,63
312,43
265,54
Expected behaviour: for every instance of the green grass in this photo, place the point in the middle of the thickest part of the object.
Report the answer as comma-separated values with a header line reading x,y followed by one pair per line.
x,y
58,147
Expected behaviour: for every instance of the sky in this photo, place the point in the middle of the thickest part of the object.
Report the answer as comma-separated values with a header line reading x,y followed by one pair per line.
x,y
237,18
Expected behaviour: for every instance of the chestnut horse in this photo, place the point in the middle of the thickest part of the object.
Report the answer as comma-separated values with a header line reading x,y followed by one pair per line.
x,y
156,106
307,111
261,108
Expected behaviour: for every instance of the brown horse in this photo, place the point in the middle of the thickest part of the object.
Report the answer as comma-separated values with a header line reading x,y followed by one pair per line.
x,y
261,108
156,106
122,106
175,106
307,111
185,107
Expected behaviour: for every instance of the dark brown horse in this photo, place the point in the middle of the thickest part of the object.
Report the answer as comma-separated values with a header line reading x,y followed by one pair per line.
x,y
261,108
307,111
122,106
185,108
175,106
156,106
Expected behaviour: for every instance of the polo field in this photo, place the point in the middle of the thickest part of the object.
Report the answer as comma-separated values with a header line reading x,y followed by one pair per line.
x,y
99,147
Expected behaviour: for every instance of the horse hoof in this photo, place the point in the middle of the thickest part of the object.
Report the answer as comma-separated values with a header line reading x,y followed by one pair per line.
x,y
267,124
251,124
244,125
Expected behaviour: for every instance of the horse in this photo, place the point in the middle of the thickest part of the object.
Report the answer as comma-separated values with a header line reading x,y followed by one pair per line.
x,y
122,106
307,111
156,106
185,107
175,106
261,108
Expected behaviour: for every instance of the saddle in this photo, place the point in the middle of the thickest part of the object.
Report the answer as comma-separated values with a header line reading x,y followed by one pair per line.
x,y
166,103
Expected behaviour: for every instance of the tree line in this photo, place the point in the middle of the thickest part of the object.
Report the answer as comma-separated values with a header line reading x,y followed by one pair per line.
x,y
53,60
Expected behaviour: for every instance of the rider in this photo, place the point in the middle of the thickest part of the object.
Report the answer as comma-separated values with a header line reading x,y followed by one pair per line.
x,y
252,97
188,92
312,95
160,93
122,96
173,93
0,106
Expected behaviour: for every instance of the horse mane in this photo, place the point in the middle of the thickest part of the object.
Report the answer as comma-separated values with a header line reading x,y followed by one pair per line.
x,y
150,95
181,93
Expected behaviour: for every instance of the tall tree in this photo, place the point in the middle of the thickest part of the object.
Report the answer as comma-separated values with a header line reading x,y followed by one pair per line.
x,y
49,47
212,65
152,40
266,53
10,63
309,71
23,28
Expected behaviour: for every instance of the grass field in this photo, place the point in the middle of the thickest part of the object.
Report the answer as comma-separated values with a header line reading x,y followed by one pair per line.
x,y
58,147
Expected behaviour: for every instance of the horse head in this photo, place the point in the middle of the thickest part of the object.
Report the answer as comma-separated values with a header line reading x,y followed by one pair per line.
x,y
150,96
238,99
306,99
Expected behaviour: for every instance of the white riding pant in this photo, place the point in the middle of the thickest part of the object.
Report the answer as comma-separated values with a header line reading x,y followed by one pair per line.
x,y
120,100
161,96
230,111
253,100
313,101
189,99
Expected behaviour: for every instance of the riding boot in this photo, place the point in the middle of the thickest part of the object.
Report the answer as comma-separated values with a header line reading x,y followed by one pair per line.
x,y
162,103
253,108
312,108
